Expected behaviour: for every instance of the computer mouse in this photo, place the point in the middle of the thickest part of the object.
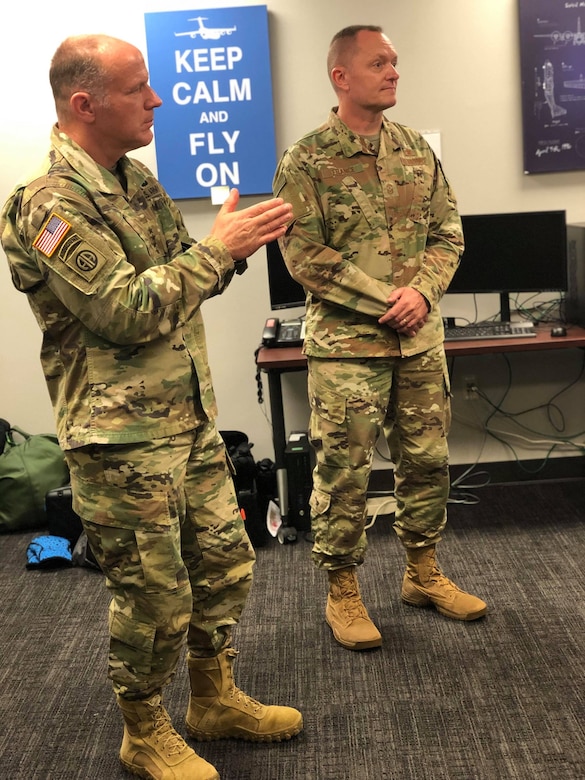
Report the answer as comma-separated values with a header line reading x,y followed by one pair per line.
x,y
558,330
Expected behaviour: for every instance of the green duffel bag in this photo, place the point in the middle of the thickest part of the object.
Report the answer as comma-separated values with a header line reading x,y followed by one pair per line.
x,y
30,466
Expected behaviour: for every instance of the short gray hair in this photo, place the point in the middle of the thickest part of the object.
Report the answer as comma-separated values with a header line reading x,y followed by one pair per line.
x,y
342,43
77,66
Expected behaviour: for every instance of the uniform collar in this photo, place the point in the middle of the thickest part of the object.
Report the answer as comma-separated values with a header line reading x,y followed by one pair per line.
x,y
351,143
98,177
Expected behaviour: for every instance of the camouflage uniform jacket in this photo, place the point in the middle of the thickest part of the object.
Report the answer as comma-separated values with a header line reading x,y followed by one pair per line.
x,y
364,224
116,285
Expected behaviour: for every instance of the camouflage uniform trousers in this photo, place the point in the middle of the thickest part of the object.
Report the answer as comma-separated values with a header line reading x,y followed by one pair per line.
x,y
163,522
354,401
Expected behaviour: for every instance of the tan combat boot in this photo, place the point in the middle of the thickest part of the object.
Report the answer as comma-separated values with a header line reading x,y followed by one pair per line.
x,y
151,748
219,710
346,614
424,584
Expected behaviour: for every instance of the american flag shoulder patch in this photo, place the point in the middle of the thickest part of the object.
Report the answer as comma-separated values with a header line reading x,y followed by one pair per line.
x,y
53,232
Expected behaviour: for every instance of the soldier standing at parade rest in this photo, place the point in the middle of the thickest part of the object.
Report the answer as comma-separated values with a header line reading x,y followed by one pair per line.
x,y
116,285
375,241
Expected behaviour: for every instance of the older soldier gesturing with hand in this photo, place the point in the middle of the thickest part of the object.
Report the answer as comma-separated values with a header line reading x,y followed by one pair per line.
x,y
116,284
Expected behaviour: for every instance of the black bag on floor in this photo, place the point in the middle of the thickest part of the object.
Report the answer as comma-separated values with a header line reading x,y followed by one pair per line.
x,y
63,521
240,451
266,484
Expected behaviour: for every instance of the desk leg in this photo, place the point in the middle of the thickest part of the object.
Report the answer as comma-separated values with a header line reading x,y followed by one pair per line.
x,y
278,439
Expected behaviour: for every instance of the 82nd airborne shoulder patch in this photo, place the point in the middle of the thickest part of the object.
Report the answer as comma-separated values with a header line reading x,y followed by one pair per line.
x,y
74,251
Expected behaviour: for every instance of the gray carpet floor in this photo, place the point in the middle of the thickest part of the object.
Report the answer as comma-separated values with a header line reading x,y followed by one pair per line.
x,y
502,697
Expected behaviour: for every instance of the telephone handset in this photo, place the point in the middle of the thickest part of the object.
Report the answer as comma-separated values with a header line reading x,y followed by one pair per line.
x,y
270,331
283,334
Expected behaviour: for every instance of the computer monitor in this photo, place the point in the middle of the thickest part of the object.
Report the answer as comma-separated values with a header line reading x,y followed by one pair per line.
x,y
504,253
518,252
284,291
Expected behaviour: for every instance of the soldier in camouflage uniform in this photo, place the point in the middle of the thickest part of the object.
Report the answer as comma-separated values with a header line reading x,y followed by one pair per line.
x,y
116,285
375,241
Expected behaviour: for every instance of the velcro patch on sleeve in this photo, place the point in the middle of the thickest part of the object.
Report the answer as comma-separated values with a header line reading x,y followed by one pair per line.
x,y
81,257
52,233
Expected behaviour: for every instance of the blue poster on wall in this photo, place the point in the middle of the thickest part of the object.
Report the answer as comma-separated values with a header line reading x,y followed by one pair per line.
x,y
552,49
215,128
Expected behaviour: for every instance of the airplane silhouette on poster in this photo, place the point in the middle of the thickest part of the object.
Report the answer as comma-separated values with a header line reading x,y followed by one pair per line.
x,y
206,33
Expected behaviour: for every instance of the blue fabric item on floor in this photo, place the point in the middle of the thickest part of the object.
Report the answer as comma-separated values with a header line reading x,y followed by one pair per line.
x,y
48,552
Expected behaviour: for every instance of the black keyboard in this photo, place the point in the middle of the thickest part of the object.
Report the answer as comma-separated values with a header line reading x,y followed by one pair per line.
x,y
490,330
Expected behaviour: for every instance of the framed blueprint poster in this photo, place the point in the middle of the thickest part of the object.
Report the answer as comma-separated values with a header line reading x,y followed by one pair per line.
x,y
215,128
552,56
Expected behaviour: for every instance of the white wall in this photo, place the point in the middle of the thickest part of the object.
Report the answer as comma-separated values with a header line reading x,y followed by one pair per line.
x,y
459,66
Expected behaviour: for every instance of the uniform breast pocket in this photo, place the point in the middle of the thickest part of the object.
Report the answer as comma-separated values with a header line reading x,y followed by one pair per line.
x,y
418,192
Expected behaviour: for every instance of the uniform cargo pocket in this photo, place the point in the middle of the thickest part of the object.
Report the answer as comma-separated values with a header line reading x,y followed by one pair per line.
x,y
132,642
328,429
329,406
319,503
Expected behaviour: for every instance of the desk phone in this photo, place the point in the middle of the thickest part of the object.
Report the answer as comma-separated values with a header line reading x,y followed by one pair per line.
x,y
283,334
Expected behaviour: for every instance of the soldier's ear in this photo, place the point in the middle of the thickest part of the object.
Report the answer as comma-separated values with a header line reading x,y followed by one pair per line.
x,y
339,78
82,107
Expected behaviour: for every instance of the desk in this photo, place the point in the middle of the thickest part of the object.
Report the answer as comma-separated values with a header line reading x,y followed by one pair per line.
x,y
280,360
